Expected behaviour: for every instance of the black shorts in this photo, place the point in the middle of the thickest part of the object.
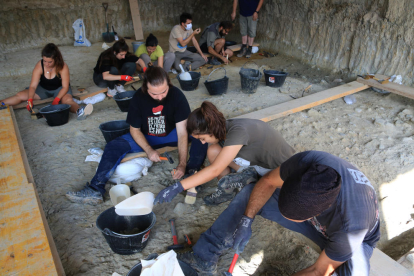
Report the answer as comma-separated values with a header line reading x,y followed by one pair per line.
x,y
204,48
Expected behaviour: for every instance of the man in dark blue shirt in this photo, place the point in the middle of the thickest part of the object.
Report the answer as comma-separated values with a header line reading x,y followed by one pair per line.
x,y
249,13
314,193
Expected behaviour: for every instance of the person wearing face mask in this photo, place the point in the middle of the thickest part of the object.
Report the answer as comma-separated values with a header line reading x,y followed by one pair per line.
x,y
115,66
180,36
158,118
152,52
50,78
212,41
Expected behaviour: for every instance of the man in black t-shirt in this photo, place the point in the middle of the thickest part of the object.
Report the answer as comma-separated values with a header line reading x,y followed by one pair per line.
x,y
158,118
313,193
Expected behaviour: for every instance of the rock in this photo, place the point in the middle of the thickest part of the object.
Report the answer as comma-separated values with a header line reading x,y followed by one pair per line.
x,y
323,82
359,110
284,90
180,209
313,113
379,122
407,139
337,80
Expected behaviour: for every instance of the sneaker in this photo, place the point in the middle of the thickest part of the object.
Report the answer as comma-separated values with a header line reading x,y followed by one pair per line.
x,y
186,66
84,111
218,197
249,52
202,267
233,181
173,71
214,61
243,52
111,92
87,195
120,88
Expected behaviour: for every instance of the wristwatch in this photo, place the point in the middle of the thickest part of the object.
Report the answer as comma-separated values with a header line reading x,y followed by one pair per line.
x,y
257,12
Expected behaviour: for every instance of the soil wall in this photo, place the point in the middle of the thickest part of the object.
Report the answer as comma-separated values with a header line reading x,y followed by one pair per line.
x,y
355,36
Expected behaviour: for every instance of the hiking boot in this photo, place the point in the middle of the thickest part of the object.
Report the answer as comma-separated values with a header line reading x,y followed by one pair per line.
x,y
120,88
249,52
187,65
218,197
233,181
111,92
214,61
84,111
243,52
203,268
87,195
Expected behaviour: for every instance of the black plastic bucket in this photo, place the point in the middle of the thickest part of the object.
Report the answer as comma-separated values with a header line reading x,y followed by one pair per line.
x,y
123,100
187,270
219,86
250,79
116,231
114,129
192,84
56,115
274,78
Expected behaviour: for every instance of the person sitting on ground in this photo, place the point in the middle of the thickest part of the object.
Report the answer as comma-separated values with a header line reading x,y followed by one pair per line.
x,y
50,78
151,52
158,117
180,36
249,13
115,67
314,193
246,146
212,41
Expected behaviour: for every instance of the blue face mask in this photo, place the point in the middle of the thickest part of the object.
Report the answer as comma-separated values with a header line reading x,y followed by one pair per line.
x,y
188,27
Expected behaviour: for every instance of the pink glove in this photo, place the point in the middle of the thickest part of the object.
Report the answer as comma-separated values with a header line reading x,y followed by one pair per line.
x,y
126,78
56,101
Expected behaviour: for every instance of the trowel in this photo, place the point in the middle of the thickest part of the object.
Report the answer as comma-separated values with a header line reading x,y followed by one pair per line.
x,y
184,75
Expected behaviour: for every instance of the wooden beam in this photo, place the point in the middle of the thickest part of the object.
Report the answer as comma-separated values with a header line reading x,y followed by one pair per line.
x,y
130,156
395,88
237,47
136,19
293,106
383,265
26,246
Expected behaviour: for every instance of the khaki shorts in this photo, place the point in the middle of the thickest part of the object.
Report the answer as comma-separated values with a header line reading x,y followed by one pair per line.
x,y
248,26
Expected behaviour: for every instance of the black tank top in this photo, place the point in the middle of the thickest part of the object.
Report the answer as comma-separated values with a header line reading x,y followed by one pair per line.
x,y
49,84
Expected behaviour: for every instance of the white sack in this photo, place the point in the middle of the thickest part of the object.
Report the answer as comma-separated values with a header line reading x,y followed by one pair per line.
x,y
165,265
131,170
80,39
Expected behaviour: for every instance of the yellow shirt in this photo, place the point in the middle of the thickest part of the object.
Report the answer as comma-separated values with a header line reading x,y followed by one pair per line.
x,y
142,49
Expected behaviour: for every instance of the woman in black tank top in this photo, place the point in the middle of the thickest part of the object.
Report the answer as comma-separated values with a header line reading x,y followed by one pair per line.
x,y
50,78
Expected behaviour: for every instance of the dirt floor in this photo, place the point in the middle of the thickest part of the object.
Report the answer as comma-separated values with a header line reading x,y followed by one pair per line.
x,y
375,134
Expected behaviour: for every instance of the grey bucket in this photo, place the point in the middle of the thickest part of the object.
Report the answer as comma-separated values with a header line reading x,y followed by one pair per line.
x,y
135,45
56,115
250,79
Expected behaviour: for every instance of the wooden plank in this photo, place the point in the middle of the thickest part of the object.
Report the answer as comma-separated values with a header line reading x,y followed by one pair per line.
x,y
237,47
25,248
395,88
12,170
80,95
383,265
290,107
136,19
130,156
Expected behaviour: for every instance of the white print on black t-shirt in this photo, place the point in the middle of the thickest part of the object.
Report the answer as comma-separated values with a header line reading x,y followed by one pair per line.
x,y
359,177
156,126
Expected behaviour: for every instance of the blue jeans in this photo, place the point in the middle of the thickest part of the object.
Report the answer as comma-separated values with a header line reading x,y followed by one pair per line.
x,y
116,150
219,237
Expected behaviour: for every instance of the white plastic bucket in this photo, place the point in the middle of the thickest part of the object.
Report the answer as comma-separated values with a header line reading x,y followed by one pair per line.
x,y
119,193
137,205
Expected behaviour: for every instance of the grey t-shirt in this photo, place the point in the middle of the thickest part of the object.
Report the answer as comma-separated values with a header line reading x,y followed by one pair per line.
x,y
353,218
210,34
262,145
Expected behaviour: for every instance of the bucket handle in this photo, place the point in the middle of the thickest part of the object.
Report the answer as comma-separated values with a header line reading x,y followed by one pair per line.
x,y
250,61
225,73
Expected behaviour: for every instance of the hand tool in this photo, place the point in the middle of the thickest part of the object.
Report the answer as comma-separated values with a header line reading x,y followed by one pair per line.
x,y
3,106
115,33
187,239
232,265
34,113
175,246
303,92
371,76
167,158
107,37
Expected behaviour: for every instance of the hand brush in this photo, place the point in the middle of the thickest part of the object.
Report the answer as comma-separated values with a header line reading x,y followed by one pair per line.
x,y
191,196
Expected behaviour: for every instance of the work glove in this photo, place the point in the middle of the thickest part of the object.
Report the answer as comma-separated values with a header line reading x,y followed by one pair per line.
x,y
56,101
126,78
167,194
242,234
29,105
